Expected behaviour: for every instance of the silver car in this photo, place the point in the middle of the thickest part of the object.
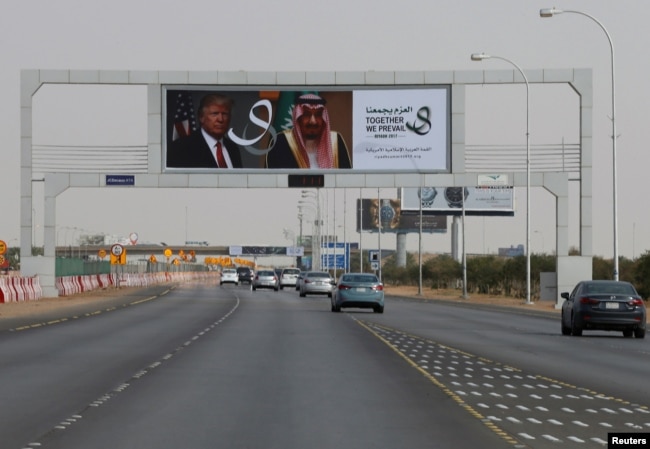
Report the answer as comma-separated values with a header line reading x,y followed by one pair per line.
x,y
316,283
265,279
288,277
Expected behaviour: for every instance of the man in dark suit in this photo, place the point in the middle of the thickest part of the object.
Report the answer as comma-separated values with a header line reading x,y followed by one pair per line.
x,y
209,147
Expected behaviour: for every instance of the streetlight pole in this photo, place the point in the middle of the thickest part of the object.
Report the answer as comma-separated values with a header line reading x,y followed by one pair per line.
x,y
304,207
360,212
420,248
550,12
480,57
316,197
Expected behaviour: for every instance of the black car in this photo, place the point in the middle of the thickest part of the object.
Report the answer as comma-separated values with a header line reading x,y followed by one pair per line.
x,y
245,275
603,305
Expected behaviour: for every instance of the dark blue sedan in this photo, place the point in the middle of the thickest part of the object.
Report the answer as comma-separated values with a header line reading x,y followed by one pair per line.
x,y
603,305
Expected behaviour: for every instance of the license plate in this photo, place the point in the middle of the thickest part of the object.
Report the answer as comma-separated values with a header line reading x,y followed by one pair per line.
x,y
360,289
611,305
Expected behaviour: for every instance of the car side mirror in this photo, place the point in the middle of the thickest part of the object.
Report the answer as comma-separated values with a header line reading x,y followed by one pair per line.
x,y
564,295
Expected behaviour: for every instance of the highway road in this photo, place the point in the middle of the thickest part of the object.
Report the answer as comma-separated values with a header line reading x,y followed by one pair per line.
x,y
203,366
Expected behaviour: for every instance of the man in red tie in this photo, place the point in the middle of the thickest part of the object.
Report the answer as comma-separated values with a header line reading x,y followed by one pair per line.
x,y
208,147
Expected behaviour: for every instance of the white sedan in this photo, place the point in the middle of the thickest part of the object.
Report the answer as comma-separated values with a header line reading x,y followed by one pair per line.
x,y
229,276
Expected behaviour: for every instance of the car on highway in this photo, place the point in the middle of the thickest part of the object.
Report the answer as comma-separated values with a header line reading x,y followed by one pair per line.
x,y
265,279
288,277
229,276
299,280
245,275
603,305
316,283
358,290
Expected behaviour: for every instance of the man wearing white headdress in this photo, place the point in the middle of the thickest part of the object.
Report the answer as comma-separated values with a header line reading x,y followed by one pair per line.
x,y
310,143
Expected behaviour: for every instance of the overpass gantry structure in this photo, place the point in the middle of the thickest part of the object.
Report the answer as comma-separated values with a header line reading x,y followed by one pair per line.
x,y
145,166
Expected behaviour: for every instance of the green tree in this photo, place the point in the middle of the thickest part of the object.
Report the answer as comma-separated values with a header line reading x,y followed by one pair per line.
x,y
641,277
484,274
442,271
602,268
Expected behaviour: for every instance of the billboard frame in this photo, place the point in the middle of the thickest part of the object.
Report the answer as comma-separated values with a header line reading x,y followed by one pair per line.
x,y
152,176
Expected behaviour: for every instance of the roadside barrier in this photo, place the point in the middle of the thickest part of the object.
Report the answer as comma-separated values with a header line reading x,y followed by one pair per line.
x,y
16,288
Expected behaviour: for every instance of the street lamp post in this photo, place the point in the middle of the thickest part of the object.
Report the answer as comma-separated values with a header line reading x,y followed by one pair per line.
x,y
315,196
550,12
480,57
305,208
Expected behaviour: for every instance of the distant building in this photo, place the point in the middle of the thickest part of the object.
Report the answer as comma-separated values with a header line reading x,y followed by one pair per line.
x,y
512,251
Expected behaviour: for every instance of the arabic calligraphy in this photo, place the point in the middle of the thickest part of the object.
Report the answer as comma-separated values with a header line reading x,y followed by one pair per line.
x,y
389,111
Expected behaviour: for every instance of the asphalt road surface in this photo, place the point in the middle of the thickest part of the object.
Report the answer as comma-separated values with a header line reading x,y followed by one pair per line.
x,y
225,367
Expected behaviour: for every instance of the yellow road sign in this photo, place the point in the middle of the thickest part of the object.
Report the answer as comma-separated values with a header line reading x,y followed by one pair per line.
x,y
118,255
3,247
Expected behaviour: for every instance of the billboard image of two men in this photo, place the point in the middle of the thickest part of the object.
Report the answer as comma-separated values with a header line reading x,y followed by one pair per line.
x,y
296,130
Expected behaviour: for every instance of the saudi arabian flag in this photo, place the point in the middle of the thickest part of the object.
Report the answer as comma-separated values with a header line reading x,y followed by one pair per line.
x,y
284,108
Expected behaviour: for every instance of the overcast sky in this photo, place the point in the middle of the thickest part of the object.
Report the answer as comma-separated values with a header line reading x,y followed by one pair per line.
x,y
289,35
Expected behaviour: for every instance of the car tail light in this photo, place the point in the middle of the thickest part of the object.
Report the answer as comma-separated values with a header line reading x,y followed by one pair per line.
x,y
635,302
378,288
588,300
344,287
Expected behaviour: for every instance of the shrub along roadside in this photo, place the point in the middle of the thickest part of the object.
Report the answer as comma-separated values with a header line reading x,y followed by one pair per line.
x,y
505,276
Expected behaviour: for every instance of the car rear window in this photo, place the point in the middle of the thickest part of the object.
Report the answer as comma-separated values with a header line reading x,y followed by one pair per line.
x,y
318,275
291,271
613,287
360,278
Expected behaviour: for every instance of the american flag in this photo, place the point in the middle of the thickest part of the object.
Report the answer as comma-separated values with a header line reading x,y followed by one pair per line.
x,y
184,117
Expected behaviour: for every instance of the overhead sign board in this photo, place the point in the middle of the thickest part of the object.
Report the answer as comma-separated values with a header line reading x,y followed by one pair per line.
x,y
335,255
367,130
387,215
236,250
480,200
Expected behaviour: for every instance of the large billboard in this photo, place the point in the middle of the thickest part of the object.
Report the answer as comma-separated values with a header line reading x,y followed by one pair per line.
x,y
482,200
374,214
209,129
